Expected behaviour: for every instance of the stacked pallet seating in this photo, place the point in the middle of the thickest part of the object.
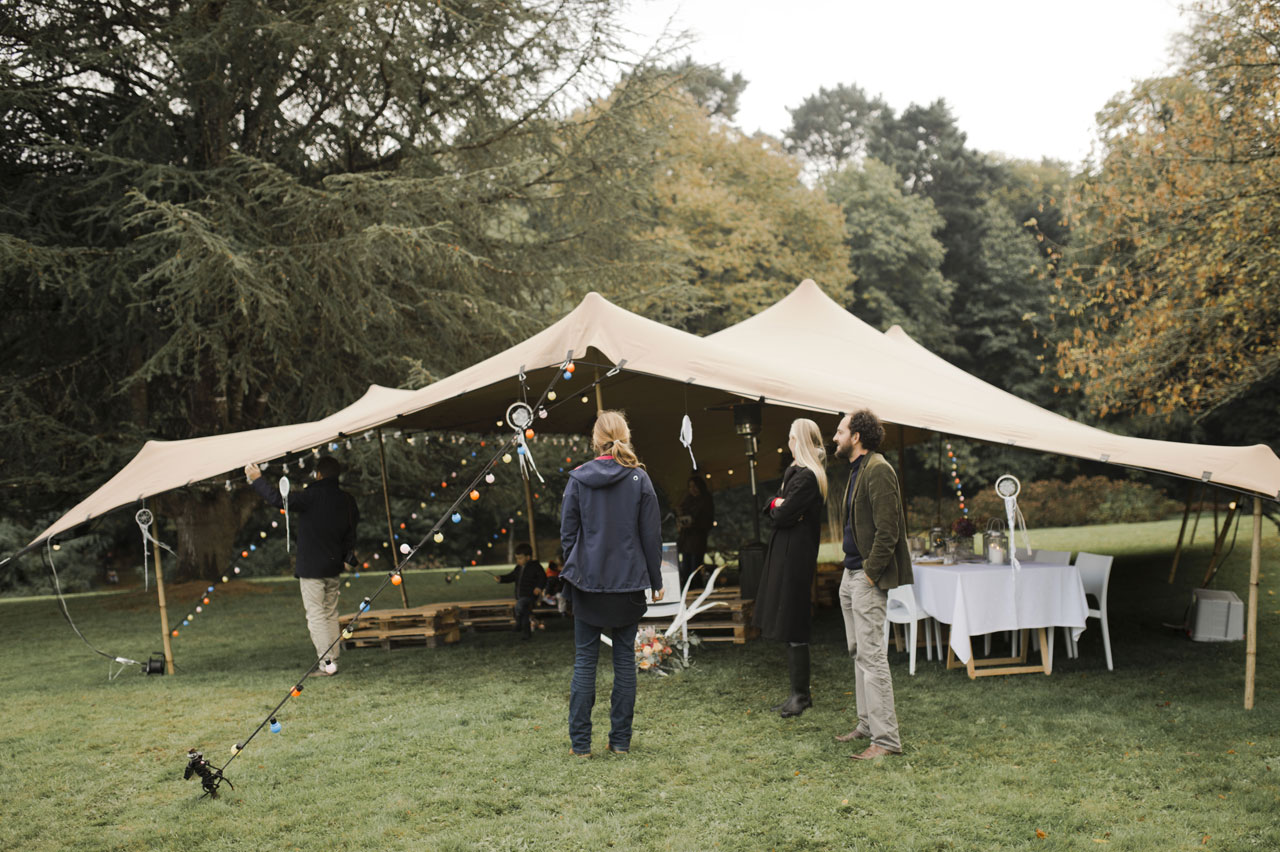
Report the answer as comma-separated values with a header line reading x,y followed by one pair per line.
x,y
729,623
495,614
429,625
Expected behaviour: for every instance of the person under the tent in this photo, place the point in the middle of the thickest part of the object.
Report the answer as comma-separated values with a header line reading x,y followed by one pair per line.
x,y
530,581
327,519
693,523
783,604
876,559
555,593
611,535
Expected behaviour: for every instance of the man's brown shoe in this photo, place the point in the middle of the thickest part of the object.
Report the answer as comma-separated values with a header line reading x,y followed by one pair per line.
x,y
851,736
873,751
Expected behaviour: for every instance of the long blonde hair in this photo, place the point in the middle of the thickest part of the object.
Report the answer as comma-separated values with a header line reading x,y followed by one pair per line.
x,y
809,451
611,435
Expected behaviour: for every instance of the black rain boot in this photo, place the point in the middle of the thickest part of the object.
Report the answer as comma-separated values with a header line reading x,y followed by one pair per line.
x,y
800,700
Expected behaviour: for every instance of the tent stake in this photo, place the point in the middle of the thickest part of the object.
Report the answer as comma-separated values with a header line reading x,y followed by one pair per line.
x,y
1251,640
1177,551
164,609
386,502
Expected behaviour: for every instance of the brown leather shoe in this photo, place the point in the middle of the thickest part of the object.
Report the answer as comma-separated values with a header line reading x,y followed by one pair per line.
x,y
851,736
873,751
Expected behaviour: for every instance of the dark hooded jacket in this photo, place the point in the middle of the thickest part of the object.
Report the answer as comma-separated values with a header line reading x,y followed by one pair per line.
x,y
610,529
326,518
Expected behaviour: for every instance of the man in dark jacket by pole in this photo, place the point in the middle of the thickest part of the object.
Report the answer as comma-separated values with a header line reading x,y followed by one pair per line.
x,y
327,518
530,580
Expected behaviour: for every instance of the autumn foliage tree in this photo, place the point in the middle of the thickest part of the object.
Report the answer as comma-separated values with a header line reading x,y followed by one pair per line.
x,y
735,222
1173,291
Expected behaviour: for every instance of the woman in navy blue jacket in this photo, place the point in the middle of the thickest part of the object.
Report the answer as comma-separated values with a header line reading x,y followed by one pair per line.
x,y
611,536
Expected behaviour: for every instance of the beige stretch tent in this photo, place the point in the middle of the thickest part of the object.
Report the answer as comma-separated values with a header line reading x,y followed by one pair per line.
x,y
804,354
905,383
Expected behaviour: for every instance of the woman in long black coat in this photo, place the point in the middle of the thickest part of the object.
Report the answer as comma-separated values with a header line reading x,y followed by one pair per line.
x,y
782,610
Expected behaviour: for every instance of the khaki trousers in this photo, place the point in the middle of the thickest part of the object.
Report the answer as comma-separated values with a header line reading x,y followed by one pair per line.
x,y
863,606
320,600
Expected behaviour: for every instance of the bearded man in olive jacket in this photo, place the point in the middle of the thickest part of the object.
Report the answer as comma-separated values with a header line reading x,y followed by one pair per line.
x,y
876,559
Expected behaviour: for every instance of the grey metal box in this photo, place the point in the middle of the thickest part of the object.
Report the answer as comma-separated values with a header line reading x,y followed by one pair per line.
x,y
1216,616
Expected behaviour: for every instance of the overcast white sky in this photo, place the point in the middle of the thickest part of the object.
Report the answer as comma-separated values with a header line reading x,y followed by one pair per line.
x,y
1022,78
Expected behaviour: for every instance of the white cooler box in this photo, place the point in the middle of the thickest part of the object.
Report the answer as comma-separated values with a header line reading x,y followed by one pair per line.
x,y
1216,616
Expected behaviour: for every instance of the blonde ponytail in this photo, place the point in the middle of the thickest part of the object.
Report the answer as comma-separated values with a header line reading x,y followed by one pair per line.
x,y
612,436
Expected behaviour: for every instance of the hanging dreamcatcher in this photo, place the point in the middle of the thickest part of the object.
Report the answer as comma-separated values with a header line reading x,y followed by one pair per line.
x,y
1008,487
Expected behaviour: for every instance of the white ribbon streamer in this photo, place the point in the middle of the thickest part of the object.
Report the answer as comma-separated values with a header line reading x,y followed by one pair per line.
x,y
144,519
284,496
686,438
526,458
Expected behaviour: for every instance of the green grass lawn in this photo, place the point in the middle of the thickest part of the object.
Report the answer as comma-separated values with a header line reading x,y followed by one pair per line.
x,y
465,747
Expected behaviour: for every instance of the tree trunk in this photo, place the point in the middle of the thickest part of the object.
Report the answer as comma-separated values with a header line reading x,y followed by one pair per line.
x,y
207,521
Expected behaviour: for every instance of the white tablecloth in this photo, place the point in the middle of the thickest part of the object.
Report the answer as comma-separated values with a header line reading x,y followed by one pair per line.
x,y
976,598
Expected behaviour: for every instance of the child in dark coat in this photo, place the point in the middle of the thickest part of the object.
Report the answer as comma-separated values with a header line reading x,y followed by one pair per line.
x,y
529,580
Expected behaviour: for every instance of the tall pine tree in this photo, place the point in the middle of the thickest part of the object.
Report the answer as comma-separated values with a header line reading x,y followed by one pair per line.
x,y
229,214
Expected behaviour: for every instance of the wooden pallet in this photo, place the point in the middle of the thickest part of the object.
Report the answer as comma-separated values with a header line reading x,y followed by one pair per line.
x,y
730,623
496,614
401,638
430,625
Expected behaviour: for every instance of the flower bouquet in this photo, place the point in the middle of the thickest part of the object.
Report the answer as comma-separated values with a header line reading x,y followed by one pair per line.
x,y
658,653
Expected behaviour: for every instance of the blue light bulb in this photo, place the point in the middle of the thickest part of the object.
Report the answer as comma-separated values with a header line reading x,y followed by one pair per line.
x,y
275,726
456,518
567,375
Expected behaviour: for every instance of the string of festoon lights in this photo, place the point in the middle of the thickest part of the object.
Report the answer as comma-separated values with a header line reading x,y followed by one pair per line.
x,y
955,479
520,416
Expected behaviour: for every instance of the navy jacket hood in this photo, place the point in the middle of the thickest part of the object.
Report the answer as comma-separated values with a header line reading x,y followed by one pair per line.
x,y
600,473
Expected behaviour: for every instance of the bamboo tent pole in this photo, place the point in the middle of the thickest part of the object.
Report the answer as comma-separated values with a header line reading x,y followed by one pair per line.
x,y
1177,551
1199,511
386,503
902,474
528,508
1219,542
1251,627
164,609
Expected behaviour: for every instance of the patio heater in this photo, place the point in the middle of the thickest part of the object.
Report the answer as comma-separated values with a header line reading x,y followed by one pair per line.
x,y
747,419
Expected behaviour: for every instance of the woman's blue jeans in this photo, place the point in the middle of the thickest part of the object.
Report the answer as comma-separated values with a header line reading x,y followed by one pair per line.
x,y
582,692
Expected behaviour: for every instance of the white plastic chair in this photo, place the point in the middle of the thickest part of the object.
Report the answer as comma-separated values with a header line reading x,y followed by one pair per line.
x,y
901,608
672,600
1095,575
1052,557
